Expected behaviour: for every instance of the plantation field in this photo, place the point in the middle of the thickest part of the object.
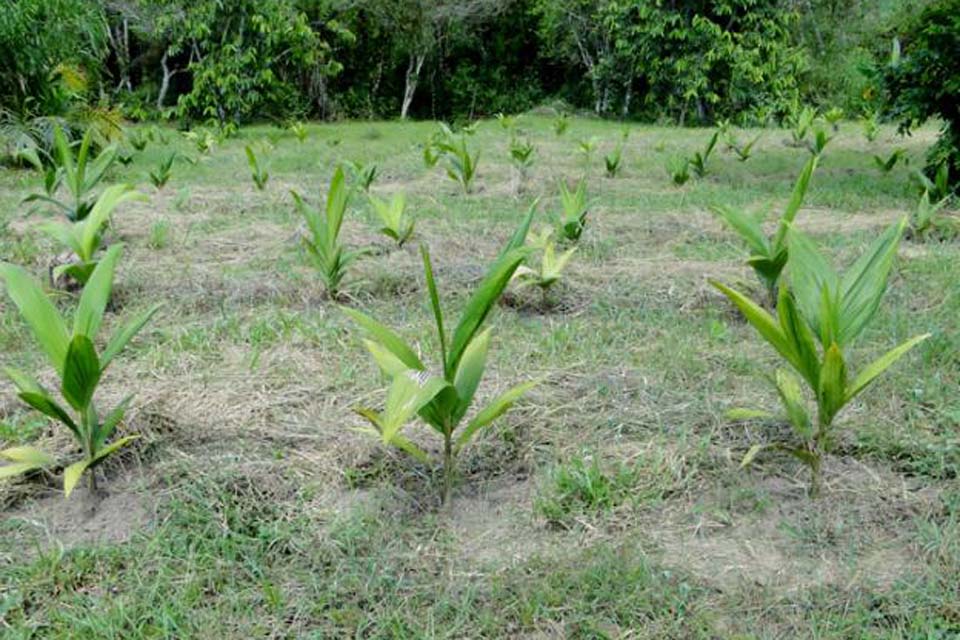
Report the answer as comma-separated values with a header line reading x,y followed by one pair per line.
x,y
608,503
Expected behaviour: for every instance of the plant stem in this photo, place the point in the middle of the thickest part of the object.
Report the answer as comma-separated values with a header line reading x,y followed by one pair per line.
x,y
447,466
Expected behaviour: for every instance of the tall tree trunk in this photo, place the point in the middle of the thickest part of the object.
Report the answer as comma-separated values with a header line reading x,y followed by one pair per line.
x,y
165,83
412,78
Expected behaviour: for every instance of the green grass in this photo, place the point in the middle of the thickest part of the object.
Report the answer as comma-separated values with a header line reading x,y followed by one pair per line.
x,y
250,509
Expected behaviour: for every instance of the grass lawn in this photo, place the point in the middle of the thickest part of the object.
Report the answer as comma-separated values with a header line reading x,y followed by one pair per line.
x,y
609,503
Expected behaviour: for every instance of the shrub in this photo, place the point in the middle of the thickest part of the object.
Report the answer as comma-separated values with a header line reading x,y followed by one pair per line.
x,y
922,81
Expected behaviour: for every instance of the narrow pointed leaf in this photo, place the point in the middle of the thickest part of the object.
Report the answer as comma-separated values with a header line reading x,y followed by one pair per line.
x,y
494,410
40,314
878,366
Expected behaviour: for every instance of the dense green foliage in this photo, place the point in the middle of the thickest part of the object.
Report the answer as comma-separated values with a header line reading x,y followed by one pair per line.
x,y
231,62
924,80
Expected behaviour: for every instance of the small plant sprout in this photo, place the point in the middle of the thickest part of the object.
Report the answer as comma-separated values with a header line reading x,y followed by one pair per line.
x,y
161,175
137,139
613,162
204,140
84,238
886,165
574,209
508,123
431,155
442,401
701,158
80,175
79,367
820,306
561,124
257,171
586,148
521,157
124,158
870,121
461,163
299,131
819,143
744,151
928,220
833,117
548,270
678,168
801,122
328,254
361,175
768,256
396,223
939,186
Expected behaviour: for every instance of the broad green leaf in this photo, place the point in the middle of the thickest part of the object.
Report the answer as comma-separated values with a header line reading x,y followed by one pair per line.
x,y
81,372
17,468
72,475
105,452
109,200
865,282
390,340
810,276
763,322
390,365
492,411
878,366
791,395
408,393
796,200
109,424
67,234
437,311
39,313
30,391
337,197
747,227
833,384
480,303
30,455
468,374
798,334
124,335
96,295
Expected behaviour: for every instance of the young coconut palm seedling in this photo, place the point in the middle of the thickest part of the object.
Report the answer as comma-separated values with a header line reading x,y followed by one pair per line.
x,y
820,306
586,148
886,165
744,151
928,221
84,238
699,160
549,270
78,365
819,143
561,124
361,175
329,255
257,172
161,176
678,168
768,255
613,161
299,130
80,176
833,116
800,123
396,223
461,163
442,400
573,217
521,156
871,125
